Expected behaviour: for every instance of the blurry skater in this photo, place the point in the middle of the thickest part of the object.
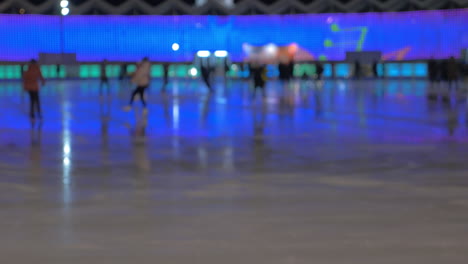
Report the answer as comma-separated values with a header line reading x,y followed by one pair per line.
x,y
433,70
57,69
258,73
283,70
30,82
206,68
452,72
375,69
291,69
357,70
165,77
141,77
104,79
319,71
206,75
123,72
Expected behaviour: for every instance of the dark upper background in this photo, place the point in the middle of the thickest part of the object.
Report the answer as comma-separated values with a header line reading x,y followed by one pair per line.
x,y
244,7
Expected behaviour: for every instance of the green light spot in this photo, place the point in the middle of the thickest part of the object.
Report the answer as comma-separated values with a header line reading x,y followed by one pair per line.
x,y
335,27
328,43
323,58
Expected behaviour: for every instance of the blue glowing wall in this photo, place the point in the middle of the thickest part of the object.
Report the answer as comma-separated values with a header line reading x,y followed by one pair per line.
x,y
410,35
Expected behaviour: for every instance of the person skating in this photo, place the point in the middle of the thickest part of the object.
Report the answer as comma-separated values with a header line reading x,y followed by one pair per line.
x,y
319,71
31,85
452,72
104,79
165,77
206,75
258,73
141,77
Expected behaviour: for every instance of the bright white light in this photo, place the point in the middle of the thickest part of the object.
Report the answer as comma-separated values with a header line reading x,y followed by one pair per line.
x,y
66,150
193,71
221,53
66,161
203,53
175,114
63,3
271,48
175,46
65,11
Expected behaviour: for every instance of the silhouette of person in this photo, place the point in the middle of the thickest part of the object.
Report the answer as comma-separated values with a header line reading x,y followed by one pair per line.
x,y
452,72
258,73
291,69
433,70
206,70
57,68
319,70
443,70
357,70
283,72
123,71
30,84
165,76
104,78
375,70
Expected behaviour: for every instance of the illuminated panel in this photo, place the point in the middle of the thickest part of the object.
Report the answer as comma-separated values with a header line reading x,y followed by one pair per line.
x,y
393,70
112,71
342,70
157,71
420,70
399,36
327,70
407,69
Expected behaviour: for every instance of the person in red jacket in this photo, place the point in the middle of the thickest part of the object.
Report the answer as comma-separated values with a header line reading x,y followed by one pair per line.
x,y
30,83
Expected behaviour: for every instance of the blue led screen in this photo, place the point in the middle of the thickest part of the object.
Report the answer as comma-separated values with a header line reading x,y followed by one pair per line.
x,y
399,36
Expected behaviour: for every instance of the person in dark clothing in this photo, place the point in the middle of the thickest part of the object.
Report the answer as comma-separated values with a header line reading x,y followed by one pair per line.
x,y
452,72
283,72
104,79
433,70
142,78
165,77
443,70
375,69
291,69
258,73
30,84
357,70
206,75
319,70
123,71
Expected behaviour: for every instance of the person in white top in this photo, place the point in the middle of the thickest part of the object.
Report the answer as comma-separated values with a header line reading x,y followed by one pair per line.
x,y
141,77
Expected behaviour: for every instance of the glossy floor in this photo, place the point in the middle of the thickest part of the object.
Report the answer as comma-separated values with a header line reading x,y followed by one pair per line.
x,y
340,172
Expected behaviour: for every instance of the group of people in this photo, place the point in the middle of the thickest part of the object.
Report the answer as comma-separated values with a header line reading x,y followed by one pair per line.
x,y
444,70
32,77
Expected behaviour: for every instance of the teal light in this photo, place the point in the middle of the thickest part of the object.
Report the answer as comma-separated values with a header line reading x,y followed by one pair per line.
x,y
420,70
327,67
342,70
407,70
393,70
157,71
